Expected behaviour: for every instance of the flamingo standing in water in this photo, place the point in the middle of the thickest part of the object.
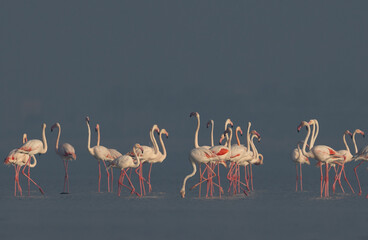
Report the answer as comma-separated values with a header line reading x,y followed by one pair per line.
x,y
125,162
160,156
299,159
321,153
361,155
114,153
18,160
100,153
33,147
66,153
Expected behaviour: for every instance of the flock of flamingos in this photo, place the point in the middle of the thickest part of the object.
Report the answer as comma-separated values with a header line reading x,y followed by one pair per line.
x,y
233,156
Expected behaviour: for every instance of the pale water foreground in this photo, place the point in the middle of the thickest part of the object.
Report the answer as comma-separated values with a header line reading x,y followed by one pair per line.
x,y
272,211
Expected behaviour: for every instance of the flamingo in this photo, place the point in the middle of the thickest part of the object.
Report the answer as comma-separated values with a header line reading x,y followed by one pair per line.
x,y
160,156
348,157
361,155
114,153
33,147
321,153
125,162
100,153
148,154
18,159
66,153
299,159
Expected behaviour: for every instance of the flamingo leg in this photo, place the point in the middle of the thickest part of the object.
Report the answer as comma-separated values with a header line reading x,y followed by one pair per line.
x,y
218,177
301,177
246,178
112,179
31,178
200,180
149,179
29,182
356,174
99,175
322,184
108,176
251,176
133,189
346,180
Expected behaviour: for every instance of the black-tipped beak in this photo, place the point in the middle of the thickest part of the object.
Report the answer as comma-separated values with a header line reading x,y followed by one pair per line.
x,y
192,114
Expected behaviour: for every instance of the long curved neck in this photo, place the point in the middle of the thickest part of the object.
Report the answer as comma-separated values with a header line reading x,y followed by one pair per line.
x,y
196,133
248,136
163,146
34,162
212,126
305,142
57,139
98,137
254,149
230,137
314,136
346,145
188,176
137,157
355,146
89,139
154,142
311,143
237,137
44,141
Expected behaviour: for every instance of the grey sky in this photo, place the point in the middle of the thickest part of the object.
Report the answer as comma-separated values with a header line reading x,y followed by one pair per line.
x,y
130,64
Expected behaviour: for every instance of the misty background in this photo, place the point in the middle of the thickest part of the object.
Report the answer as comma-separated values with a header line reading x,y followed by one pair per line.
x,y
131,64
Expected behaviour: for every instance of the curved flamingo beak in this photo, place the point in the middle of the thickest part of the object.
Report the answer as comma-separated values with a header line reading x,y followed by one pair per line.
x,y
221,138
299,127
223,163
74,156
53,126
208,123
87,119
193,114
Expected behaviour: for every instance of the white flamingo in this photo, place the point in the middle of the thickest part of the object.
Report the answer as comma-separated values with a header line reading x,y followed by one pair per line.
x,y
299,159
125,162
33,147
66,152
100,153
321,153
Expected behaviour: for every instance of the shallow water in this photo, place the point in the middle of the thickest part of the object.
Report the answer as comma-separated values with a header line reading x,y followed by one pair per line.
x,y
274,209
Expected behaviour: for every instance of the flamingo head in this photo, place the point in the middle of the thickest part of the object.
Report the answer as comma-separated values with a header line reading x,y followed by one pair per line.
x,y
156,129
223,163
360,132
87,119
193,114
54,126
238,129
97,127
228,121
209,123
257,135
182,193
43,125
347,132
74,156
25,139
163,131
137,145
303,123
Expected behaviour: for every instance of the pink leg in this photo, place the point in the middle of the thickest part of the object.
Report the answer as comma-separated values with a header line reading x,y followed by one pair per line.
x,y
29,182
346,180
133,189
31,178
218,177
320,166
120,182
108,176
246,177
297,178
99,175
200,180
149,179
356,174
339,179
251,176
112,179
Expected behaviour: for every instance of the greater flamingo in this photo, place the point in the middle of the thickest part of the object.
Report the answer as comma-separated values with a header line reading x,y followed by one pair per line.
x,y
361,155
321,153
66,153
299,159
100,153
125,162
32,147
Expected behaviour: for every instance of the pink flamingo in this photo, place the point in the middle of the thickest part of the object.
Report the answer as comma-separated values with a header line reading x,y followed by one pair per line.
x,y
321,153
100,153
66,153
125,162
299,159
114,153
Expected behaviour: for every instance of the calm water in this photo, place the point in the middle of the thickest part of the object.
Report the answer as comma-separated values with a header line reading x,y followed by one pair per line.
x,y
272,210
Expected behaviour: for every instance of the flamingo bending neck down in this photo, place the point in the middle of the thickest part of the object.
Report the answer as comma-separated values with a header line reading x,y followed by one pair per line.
x,y
66,153
100,153
125,162
33,147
